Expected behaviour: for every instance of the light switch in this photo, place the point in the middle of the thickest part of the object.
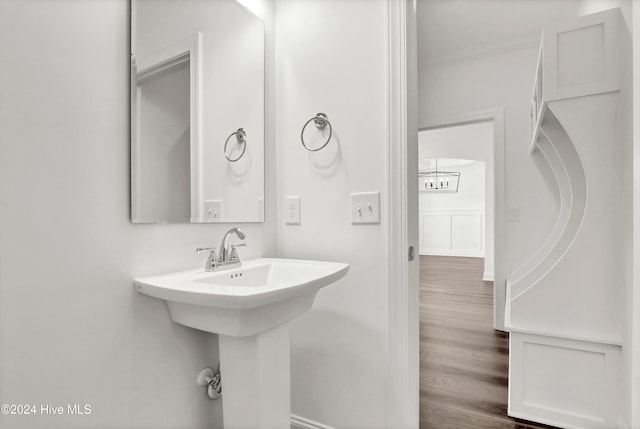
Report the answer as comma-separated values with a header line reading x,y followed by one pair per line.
x,y
292,210
213,210
365,207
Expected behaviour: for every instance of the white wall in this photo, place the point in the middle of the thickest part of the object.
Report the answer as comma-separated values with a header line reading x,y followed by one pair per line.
x,y
331,58
586,7
73,330
471,190
470,141
501,81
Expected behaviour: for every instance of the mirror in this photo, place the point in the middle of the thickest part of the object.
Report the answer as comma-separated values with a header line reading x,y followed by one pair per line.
x,y
197,112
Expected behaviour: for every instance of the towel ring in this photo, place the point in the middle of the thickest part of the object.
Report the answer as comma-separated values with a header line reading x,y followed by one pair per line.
x,y
241,138
321,122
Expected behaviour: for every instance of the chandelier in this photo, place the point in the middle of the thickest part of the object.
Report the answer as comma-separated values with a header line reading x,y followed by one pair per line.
x,y
438,181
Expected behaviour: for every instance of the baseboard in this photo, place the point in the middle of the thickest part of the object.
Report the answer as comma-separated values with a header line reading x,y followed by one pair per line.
x,y
298,422
537,419
620,423
487,277
457,253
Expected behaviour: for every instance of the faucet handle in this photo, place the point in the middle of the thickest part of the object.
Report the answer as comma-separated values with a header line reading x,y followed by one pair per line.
x,y
211,260
234,253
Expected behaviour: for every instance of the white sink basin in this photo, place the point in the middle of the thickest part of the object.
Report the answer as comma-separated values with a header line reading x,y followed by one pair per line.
x,y
244,301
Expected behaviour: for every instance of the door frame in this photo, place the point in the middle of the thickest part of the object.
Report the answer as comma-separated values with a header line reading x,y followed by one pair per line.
x,y
403,347
496,116
403,317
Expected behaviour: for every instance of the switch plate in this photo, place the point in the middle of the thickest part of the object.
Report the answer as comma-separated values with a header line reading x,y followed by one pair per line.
x,y
292,210
213,210
365,207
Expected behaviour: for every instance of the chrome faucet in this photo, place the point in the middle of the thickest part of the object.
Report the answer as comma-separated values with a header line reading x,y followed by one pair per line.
x,y
228,257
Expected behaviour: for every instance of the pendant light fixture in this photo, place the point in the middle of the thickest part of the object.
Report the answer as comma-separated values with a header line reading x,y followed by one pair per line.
x,y
438,181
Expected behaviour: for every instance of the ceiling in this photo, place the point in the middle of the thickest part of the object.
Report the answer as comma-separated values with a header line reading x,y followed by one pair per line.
x,y
426,164
450,30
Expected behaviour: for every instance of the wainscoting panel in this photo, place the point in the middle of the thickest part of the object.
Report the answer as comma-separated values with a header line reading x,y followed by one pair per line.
x,y
562,382
452,232
435,233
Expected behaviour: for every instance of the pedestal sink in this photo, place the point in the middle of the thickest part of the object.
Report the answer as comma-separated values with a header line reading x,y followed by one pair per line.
x,y
248,307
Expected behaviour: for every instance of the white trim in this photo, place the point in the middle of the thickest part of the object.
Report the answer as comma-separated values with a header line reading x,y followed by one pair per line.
x,y
403,392
136,148
546,421
561,335
450,211
634,329
500,207
298,422
188,49
487,276
168,56
147,70
452,253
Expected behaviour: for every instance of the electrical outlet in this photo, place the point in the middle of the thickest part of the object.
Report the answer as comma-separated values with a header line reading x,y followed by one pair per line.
x,y
213,210
365,207
292,210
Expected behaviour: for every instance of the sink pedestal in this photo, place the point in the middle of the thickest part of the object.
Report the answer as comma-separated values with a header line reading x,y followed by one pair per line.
x,y
256,380
248,307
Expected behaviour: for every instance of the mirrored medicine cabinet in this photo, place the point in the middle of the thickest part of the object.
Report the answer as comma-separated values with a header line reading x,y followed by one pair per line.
x,y
197,112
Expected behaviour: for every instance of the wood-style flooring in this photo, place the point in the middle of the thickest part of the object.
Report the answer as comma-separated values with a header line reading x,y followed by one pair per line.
x,y
464,362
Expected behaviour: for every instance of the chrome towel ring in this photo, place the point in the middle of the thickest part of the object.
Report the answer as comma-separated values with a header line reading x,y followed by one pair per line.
x,y
241,137
321,122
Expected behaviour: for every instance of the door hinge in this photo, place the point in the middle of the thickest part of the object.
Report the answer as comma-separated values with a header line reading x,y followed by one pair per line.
x,y
410,253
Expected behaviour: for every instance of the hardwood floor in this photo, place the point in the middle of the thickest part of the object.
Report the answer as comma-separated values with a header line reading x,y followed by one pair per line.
x,y
464,363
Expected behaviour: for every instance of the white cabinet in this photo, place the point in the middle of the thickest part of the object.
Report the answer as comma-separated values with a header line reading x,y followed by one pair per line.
x,y
565,304
578,58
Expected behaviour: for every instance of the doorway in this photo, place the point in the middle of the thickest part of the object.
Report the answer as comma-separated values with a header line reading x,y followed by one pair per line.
x,y
457,219
464,355
478,136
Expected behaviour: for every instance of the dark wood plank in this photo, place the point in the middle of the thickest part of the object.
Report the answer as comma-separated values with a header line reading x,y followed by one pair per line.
x,y
464,363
